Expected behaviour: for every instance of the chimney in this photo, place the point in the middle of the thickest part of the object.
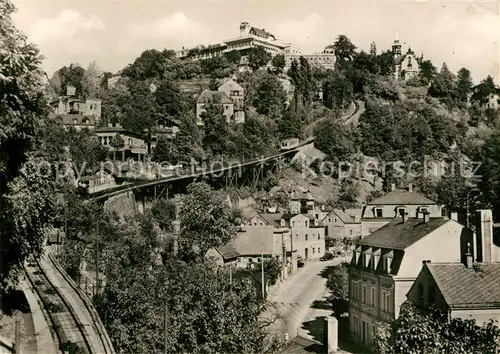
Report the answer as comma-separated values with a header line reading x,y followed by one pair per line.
x,y
454,216
468,257
405,216
393,187
410,188
425,215
484,236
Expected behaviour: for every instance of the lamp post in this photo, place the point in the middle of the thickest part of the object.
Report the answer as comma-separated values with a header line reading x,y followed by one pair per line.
x,y
467,203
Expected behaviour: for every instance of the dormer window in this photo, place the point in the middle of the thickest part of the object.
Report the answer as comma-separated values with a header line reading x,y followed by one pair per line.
x,y
423,209
400,211
378,212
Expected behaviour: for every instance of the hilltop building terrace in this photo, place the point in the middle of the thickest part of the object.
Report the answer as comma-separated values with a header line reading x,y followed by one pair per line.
x,y
252,37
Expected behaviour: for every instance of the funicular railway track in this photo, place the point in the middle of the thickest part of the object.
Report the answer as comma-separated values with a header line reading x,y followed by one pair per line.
x,y
73,324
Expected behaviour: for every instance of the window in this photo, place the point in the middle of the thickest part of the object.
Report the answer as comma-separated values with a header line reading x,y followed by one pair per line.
x,y
319,249
297,237
314,250
364,294
74,121
378,213
306,237
335,220
385,301
424,209
350,232
372,297
306,222
250,260
401,211
293,223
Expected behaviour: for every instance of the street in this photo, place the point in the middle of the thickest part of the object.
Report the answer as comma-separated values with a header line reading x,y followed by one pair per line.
x,y
293,298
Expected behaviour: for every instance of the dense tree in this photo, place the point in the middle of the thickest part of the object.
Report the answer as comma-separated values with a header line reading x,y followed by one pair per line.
x,y
291,125
344,49
443,86
464,85
71,76
150,64
206,221
164,212
218,67
258,57
385,63
490,171
234,57
337,91
216,137
266,94
86,152
27,185
138,114
279,62
338,282
335,139
91,81
427,71
420,331
200,300
373,49
117,143
169,99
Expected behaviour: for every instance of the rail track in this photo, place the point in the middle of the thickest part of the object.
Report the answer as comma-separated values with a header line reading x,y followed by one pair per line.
x,y
73,323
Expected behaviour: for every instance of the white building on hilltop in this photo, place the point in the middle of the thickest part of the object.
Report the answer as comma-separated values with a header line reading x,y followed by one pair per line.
x,y
252,37
406,66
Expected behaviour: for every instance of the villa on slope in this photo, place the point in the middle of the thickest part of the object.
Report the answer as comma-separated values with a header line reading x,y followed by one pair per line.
x,y
406,66
230,95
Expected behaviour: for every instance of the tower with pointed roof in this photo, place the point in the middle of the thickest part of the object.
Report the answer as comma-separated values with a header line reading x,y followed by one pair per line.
x,y
406,66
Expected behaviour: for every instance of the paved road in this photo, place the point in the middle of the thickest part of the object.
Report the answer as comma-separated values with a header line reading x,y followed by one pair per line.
x,y
293,299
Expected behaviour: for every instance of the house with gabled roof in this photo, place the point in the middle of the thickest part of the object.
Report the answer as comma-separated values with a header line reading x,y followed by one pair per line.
x,y
466,289
342,225
222,255
382,210
386,263
217,97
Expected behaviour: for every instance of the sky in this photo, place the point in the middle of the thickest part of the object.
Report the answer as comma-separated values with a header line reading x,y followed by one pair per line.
x,y
114,33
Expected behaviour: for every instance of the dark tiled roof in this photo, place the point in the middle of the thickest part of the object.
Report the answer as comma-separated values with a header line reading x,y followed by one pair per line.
x,y
345,217
207,95
468,287
399,235
227,251
402,197
261,33
69,119
288,216
272,219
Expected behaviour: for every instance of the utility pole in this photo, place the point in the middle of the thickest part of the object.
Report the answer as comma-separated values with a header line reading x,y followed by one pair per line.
x,y
262,267
97,260
291,251
17,336
165,346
